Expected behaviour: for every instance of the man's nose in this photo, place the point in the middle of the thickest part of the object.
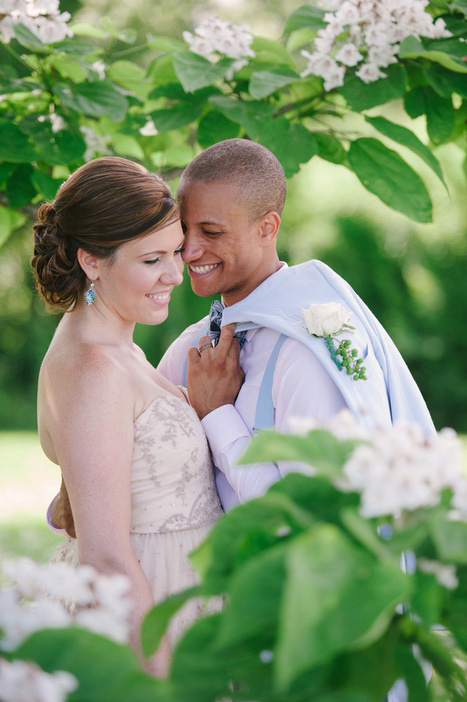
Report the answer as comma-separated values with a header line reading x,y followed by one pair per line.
x,y
193,247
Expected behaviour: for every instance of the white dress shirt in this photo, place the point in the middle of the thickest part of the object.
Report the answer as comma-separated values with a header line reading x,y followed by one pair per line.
x,y
301,388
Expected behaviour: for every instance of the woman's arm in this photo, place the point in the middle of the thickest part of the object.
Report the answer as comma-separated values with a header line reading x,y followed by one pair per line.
x,y
90,420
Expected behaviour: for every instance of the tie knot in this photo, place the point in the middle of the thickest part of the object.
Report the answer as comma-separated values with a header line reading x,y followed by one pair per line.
x,y
215,321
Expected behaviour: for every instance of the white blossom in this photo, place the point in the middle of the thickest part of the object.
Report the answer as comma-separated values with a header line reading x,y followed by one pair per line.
x,y
214,38
99,67
95,143
149,129
58,123
41,17
445,574
57,595
21,681
367,31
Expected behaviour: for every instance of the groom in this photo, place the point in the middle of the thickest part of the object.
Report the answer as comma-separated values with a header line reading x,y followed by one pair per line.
x,y
231,198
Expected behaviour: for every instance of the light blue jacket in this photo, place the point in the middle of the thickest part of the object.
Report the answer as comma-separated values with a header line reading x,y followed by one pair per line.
x,y
389,394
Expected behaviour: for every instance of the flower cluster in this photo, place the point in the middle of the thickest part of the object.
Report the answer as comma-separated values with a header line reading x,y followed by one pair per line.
x,y
399,468
21,681
95,143
366,33
57,595
42,17
214,38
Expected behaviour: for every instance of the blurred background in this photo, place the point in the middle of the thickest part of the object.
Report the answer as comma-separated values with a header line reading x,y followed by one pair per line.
x,y
413,277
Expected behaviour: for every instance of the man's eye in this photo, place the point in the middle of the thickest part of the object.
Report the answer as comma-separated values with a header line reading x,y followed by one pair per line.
x,y
179,251
153,260
211,233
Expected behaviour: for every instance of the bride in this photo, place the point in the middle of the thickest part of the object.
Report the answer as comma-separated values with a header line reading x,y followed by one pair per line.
x,y
138,491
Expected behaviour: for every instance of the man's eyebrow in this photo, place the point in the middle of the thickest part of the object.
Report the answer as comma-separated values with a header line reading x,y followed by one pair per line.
x,y
161,253
217,224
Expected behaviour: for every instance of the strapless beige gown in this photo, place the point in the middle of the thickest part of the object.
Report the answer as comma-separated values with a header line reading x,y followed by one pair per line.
x,y
174,502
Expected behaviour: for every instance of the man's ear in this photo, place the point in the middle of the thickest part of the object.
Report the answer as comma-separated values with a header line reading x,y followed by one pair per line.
x,y
89,263
269,227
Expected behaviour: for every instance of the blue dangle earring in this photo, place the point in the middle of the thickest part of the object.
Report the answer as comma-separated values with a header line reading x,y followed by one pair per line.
x,y
90,295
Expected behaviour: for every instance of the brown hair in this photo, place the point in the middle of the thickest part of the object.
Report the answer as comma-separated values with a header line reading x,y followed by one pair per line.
x,y
251,166
102,205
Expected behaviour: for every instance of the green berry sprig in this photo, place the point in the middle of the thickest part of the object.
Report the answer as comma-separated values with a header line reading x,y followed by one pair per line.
x,y
353,365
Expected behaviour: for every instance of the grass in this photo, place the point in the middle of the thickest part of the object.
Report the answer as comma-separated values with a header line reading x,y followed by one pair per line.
x,y
28,482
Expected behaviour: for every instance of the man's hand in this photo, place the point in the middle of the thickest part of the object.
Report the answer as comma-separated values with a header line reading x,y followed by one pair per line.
x,y
214,374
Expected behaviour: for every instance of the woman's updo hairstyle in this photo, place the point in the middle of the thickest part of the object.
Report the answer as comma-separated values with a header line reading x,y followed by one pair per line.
x,y
102,205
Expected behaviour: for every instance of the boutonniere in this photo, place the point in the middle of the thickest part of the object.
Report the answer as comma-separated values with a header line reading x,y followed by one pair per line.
x,y
328,321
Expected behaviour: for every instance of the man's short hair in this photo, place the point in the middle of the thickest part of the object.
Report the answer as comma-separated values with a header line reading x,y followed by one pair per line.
x,y
253,168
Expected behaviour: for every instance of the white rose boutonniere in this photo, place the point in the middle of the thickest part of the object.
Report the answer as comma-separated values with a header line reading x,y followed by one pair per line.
x,y
327,321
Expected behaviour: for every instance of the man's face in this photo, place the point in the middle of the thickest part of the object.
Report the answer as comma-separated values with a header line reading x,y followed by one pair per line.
x,y
223,249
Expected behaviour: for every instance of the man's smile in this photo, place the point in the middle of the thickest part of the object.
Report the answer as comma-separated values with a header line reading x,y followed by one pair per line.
x,y
202,270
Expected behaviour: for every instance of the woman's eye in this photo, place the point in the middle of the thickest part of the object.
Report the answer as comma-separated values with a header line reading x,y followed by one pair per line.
x,y
179,251
153,260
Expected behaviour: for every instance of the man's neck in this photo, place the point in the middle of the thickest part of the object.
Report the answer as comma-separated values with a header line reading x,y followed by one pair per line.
x,y
231,298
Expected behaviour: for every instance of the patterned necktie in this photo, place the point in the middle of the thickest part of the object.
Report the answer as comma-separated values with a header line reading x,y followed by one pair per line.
x,y
215,319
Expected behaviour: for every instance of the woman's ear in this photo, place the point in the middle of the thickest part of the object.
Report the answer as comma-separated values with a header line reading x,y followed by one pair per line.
x,y
269,227
88,263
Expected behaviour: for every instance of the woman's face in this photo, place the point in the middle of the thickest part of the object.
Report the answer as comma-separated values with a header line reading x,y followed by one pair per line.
x,y
136,283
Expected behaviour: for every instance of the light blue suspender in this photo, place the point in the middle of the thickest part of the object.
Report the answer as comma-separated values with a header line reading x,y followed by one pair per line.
x,y
264,416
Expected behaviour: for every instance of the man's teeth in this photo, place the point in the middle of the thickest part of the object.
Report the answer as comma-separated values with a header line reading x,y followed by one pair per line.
x,y
162,297
203,269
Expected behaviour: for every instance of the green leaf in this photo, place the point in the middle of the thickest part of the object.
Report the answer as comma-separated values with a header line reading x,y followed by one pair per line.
x,y
158,618
440,116
409,669
83,29
413,48
330,148
77,47
446,82
214,127
127,145
94,99
196,72
385,174
45,185
165,44
360,96
319,448
59,148
255,594
161,70
407,138
125,72
265,83
460,5
68,68
336,599
251,115
306,17
19,188
292,144
103,668
126,35
450,539
15,146
9,221
27,38
415,103
5,170
270,51
176,117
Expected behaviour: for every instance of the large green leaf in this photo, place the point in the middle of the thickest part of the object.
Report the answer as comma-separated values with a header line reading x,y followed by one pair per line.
x,y
196,72
306,17
264,83
361,96
165,44
15,147
450,539
158,618
45,184
336,598
68,68
385,174
250,114
19,188
176,117
214,127
59,148
28,39
330,148
254,598
440,116
413,48
78,47
319,448
94,99
9,221
5,171
407,138
124,72
270,52
292,144
446,82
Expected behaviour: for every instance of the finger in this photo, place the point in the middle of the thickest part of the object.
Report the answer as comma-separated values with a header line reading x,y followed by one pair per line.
x,y
193,356
225,341
234,350
204,340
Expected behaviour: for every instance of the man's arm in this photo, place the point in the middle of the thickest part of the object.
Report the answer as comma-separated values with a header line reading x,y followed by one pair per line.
x,y
301,388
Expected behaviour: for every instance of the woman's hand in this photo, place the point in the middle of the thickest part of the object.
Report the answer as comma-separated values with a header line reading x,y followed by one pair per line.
x,y
214,374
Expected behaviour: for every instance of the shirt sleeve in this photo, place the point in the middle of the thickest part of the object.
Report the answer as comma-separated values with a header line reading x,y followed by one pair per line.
x,y
302,388
228,436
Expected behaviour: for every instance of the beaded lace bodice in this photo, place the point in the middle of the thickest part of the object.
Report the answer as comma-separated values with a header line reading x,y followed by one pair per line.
x,y
172,476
